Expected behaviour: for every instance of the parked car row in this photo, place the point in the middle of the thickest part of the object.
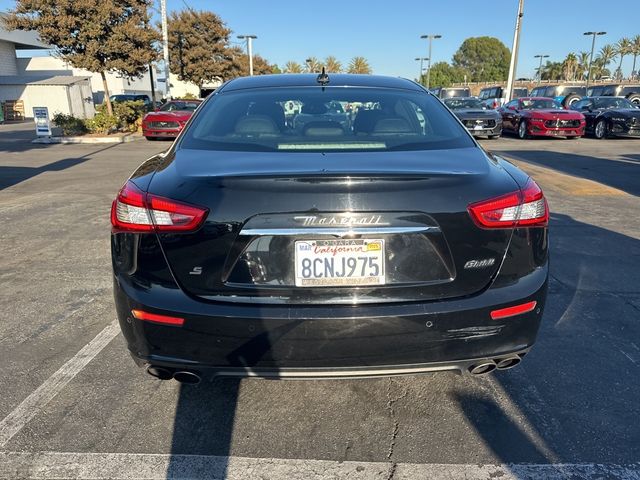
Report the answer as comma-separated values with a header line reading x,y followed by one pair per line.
x,y
530,116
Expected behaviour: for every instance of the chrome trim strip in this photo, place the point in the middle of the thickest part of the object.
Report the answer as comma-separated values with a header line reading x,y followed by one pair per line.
x,y
335,231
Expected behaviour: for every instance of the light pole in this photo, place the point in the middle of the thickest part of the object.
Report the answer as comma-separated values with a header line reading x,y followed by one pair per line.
x,y
165,47
593,45
540,67
513,64
249,38
430,38
421,59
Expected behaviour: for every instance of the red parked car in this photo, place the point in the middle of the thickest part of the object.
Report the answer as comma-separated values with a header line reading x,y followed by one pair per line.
x,y
169,120
541,116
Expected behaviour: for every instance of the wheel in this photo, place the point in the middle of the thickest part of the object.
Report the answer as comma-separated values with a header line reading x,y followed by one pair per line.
x,y
522,130
151,139
570,100
635,99
493,137
601,130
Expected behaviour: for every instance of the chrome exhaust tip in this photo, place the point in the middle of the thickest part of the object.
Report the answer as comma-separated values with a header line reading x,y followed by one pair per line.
x,y
482,367
187,377
507,363
160,373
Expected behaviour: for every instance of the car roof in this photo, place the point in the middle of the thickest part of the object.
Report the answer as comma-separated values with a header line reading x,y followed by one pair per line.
x,y
310,79
533,98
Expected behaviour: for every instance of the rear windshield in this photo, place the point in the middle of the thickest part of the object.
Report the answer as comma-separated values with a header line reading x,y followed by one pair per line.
x,y
460,103
455,92
324,119
519,92
179,105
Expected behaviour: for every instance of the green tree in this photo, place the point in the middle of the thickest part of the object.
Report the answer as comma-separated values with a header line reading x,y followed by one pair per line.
x,y
606,55
583,65
235,63
198,47
485,58
332,64
570,66
292,67
313,65
443,75
99,36
635,51
623,47
552,71
359,65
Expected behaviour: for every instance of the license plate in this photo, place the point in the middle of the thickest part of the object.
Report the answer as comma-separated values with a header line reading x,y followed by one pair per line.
x,y
345,262
478,127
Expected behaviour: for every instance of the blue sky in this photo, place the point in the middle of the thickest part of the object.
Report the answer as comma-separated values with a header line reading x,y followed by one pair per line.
x,y
387,32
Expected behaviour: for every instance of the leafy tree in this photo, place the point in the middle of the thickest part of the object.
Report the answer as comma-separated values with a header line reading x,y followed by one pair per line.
x,y
606,55
599,68
485,58
623,47
583,65
332,64
570,66
359,65
313,65
198,47
292,67
276,69
99,36
443,75
635,50
552,71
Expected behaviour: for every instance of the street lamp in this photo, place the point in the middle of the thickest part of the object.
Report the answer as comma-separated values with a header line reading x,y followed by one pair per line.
x,y
421,59
513,63
540,67
249,50
593,45
430,38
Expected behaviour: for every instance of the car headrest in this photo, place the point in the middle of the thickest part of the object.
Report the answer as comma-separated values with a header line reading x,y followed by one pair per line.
x,y
271,110
256,125
392,125
323,129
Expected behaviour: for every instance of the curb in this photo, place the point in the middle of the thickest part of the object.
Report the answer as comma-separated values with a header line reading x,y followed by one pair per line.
x,y
77,140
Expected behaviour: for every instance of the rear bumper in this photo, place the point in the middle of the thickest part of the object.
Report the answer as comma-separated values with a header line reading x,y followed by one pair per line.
x,y
328,341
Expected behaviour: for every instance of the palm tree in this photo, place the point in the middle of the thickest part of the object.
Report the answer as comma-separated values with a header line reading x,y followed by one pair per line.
x,y
606,55
635,50
552,71
599,69
359,65
292,67
332,64
570,66
313,65
623,47
583,64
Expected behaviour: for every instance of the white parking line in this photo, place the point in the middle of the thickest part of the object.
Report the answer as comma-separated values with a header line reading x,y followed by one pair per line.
x,y
34,403
51,465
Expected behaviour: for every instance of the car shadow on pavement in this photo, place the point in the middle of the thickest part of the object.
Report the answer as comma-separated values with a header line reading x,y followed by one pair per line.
x,y
13,175
622,175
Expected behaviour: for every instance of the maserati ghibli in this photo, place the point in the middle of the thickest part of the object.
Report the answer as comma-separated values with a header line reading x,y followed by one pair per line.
x,y
301,243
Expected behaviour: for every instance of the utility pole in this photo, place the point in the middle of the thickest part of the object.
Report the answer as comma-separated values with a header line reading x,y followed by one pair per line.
x,y
165,46
513,64
593,46
249,39
153,87
540,67
430,38
422,59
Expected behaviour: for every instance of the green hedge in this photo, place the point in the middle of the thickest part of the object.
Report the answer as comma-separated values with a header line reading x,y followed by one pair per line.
x,y
127,117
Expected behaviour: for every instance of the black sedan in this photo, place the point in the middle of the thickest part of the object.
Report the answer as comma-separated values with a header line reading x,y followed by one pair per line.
x,y
609,116
391,245
479,120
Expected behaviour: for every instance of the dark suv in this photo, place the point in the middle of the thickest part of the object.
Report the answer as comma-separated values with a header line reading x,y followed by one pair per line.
x,y
565,94
494,97
442,92
128,97
630,92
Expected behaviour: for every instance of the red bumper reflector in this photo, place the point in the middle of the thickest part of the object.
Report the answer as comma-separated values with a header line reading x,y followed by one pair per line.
x,y
154,317
511,311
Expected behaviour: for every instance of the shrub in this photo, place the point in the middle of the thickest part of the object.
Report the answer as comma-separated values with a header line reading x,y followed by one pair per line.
x,y
102,122
128,115
189,96
70,125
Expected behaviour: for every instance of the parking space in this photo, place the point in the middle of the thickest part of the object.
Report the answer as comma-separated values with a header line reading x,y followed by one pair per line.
x,y
77,409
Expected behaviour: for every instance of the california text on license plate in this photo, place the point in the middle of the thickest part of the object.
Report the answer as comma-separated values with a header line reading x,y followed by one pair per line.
x,y
345,262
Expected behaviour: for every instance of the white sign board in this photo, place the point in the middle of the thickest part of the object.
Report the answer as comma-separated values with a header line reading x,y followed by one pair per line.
x,y
41,117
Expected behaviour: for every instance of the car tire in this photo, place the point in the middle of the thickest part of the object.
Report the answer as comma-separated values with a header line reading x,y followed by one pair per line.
x,y
151,139
634,98
601,130
522,130
493,137
570,100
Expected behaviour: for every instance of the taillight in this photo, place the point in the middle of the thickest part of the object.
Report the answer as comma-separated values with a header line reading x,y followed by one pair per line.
x,y
136,211
526,207
155,318
513,311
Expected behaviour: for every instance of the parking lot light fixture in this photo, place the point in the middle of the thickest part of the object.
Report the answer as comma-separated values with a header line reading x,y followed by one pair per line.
x,y
421,59
249,39
540,67
430,38
593,46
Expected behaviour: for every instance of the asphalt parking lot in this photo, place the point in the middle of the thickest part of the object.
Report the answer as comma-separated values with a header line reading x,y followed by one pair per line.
x,y
75,406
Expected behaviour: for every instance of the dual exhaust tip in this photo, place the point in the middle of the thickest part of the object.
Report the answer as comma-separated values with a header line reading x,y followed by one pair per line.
x,y
488,366
182,376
